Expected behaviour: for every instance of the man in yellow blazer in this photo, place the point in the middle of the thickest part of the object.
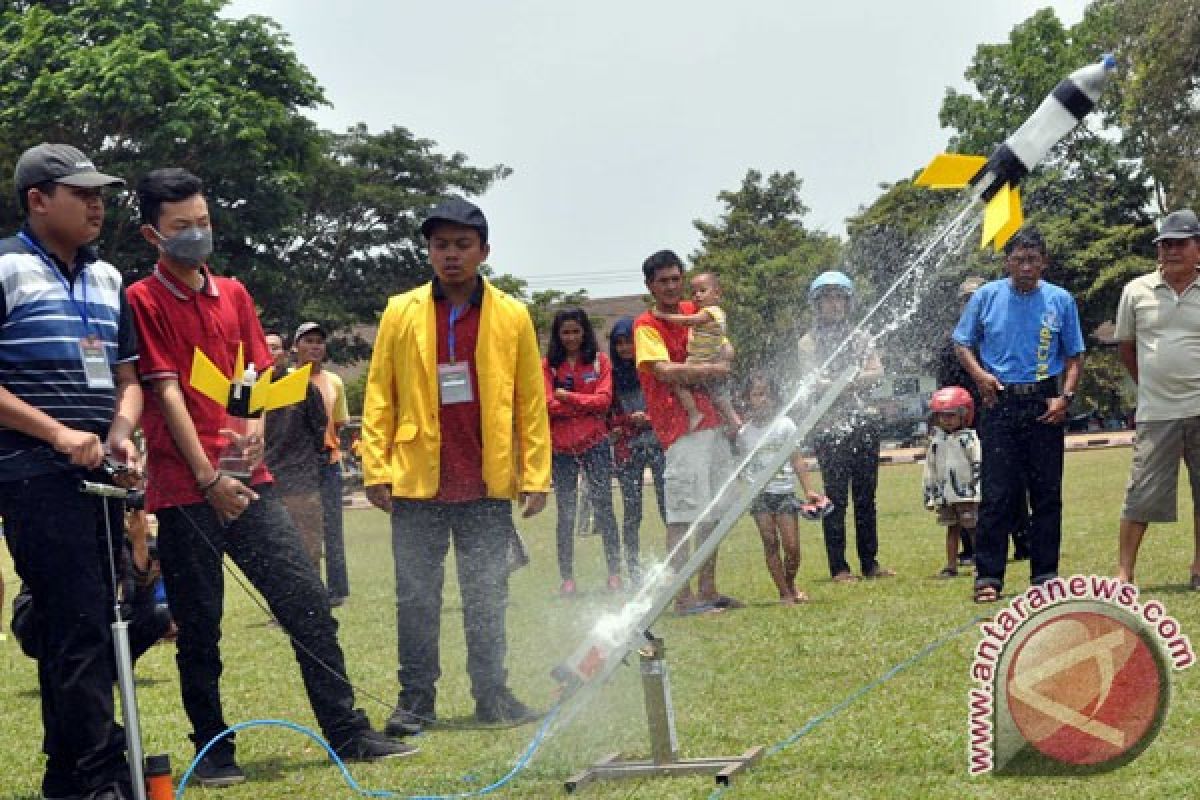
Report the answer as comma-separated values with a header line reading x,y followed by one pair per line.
x,y
454,429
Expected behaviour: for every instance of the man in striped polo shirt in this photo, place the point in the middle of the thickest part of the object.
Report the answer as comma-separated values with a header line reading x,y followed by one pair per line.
x,y
68,393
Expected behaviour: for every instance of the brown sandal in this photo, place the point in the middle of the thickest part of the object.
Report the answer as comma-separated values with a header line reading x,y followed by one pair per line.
x,y
986,593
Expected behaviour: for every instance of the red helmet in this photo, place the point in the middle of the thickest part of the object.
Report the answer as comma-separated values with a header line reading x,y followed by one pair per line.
x,y
953,399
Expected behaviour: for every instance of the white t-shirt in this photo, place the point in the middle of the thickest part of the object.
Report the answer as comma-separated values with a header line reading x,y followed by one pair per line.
x,y
1166,330
776,436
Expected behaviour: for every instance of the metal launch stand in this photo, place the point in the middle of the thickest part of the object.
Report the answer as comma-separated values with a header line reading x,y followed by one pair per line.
x,y
120,636
664,744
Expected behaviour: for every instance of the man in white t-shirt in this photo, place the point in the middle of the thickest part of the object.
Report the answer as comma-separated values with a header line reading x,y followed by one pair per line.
x,y
1158,341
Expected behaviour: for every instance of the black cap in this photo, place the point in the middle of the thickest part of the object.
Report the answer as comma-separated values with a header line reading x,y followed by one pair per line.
x,y
1181,224
308,327
60,163
456,211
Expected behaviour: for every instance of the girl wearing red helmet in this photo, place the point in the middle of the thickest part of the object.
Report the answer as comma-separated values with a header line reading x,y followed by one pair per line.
x,y
952,465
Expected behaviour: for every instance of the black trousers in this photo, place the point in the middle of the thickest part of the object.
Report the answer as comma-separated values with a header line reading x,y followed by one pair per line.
x,y
421,534
597,468
336,574
1020,455
57,540
266,547
631,477
849,461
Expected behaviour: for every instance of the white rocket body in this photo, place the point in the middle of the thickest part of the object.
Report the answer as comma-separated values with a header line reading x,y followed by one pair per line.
x,y
1052,121
994,180
1064,108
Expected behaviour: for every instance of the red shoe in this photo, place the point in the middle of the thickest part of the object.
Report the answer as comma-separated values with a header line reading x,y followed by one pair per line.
x,y
614,583
568,588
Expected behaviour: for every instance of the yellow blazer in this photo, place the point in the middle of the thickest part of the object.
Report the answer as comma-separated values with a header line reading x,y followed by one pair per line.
x,y
401,434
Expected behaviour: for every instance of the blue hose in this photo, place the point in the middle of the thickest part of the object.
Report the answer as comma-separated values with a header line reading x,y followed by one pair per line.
x,y
521,763
833,711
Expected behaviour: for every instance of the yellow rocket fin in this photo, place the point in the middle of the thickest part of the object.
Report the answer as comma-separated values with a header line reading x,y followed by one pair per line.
x,y
207,379
1002,217
286,391
950,171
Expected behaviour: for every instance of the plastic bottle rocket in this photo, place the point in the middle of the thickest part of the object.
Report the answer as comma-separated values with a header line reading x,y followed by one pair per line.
x,y
245,396
234,460
994,179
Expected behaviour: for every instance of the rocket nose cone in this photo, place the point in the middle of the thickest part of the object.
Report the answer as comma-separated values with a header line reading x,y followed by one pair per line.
x,y
1092,79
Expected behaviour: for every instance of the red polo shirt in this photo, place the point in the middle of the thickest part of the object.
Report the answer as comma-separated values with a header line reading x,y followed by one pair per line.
x,y
172,320
657,340
461,478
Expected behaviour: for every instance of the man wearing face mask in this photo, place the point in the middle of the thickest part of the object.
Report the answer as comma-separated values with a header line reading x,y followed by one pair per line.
x,y
204,513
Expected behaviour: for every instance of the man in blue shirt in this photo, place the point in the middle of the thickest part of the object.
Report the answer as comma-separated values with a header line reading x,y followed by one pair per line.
x,y
1030,357
69,394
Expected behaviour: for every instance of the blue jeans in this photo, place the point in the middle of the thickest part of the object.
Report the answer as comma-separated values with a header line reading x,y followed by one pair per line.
x,y
421,534
597,469
336,576
1019,454
631,476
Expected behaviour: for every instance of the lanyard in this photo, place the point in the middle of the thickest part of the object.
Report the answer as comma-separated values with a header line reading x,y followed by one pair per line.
x,y
49,262
456,313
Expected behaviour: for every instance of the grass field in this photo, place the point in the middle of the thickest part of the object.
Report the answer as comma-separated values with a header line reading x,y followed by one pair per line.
x,y
742,678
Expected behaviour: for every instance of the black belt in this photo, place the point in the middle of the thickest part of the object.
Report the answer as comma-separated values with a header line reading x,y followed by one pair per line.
x,y
1047,387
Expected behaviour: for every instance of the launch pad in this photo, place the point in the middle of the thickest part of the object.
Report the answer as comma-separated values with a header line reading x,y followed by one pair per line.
x,y
664,743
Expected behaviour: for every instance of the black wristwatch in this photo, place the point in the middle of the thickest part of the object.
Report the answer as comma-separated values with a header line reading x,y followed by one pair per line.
x,y
1068,396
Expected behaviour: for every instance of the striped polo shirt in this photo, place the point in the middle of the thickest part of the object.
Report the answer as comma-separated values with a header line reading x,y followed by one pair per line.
x,y
42,306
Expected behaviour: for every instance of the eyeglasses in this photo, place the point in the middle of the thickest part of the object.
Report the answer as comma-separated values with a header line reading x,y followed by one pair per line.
x,y
1031,260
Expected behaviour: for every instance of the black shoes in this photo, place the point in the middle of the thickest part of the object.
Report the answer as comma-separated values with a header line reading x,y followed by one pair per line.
x,y
410,718
216,771
502,708
369,745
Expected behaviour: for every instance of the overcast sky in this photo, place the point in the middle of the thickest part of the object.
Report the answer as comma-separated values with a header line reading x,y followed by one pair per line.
x,y
623,120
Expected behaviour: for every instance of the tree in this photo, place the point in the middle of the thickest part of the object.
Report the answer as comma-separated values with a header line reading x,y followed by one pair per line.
x,y
318,225
1159,46
140,85
358,229
1089,198
765,258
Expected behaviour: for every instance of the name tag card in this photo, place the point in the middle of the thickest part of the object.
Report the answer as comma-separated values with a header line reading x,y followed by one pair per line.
x,y
454,383
95,363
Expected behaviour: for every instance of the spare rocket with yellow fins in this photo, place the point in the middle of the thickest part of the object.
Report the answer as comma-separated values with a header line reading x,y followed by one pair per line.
x,y
994,179
246,394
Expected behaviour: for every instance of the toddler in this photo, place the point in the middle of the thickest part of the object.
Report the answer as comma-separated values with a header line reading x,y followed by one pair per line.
x,y
952,464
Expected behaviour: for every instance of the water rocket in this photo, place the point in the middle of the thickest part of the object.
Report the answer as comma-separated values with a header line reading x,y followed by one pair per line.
x,y
247,394
994,179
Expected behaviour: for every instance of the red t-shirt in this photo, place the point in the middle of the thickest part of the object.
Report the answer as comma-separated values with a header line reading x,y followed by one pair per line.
x,y
657,340
172,320
461,478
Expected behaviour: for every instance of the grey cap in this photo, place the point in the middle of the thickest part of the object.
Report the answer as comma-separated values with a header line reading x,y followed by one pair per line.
x,y
969,286
308,327
60,163
456,211
1181,224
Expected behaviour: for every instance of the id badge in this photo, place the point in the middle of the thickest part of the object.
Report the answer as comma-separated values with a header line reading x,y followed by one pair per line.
x,y
454,383
95,363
